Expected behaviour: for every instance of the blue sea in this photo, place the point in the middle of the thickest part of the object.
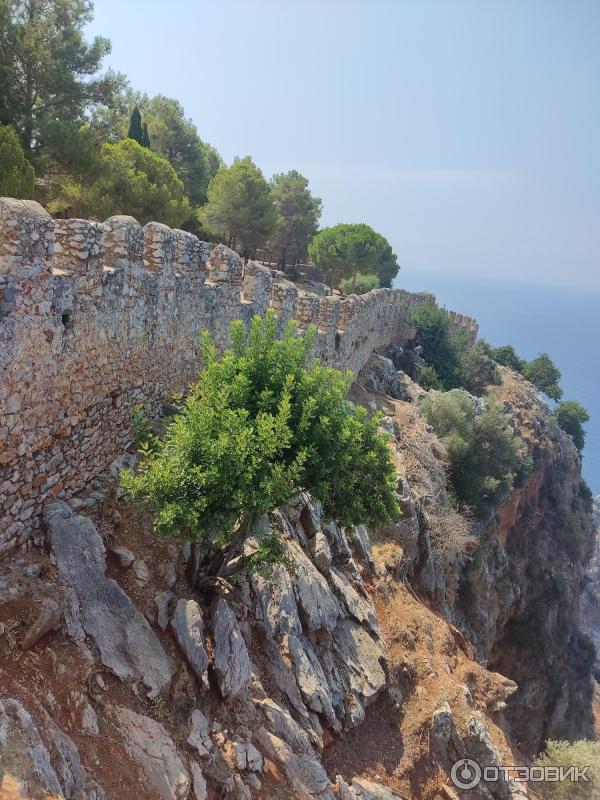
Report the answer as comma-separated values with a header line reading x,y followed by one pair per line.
x,y
565,323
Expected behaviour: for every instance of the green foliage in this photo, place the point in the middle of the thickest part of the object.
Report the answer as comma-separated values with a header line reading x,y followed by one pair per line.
x,y
271,550
145,136
345,250
130,180
258,427
454,363
432,324
507,356
429,379
386,266
176,138
299,214
48,75
583,753
142,429
544,375
524,469
240,206
477,368
571,415
170,135
481,448
135,130
362,284
17,178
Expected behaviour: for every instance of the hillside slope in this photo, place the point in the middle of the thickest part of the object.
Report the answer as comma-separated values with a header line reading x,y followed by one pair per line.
x,y
382,660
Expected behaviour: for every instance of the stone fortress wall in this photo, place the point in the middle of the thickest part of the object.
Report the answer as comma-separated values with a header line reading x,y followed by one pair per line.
x,y
98,317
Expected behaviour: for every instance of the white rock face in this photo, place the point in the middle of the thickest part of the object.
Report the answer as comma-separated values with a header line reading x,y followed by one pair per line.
x,y
188,626
200,791
141,571
162,602
367,790
199,737
123,555
303,771
231,661
149,744
40,757
126,642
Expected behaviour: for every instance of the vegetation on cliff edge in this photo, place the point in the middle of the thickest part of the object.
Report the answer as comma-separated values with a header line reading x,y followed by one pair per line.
x,y
482,451
259,426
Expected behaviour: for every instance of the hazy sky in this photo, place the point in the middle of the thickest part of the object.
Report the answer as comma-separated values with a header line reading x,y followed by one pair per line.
x,y
468,133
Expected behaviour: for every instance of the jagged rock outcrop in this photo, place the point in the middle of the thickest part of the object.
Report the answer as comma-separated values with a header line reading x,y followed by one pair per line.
x,y
590,611
126,642
36,757
188,627
149,744
231,661
521,592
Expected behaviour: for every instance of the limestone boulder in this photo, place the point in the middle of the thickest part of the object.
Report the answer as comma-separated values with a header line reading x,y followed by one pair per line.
x,y
149,744
231,660
39,757
188,627
124,638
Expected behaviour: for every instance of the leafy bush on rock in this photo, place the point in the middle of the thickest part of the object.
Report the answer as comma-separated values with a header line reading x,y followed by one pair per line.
x,y
258,427
481,448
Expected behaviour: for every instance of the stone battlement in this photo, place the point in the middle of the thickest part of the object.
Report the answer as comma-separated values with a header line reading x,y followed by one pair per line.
x,y
98,317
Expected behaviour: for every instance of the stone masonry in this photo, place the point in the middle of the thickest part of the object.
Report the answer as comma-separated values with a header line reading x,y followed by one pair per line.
x,y
98,317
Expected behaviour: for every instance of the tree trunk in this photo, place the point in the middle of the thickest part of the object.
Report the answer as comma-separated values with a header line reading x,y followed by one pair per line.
x,y
205,572
354,281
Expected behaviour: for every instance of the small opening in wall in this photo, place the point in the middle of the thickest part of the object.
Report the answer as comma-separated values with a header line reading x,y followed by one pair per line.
x,y
66,319
115,397
338,341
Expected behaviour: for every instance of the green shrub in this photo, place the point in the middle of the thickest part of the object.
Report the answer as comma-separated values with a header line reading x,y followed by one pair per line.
x,y
477,368
571,754
544,375
17,178
507,356
432,324
451,362
428,378
571,415
362,285
481,448
258,427
292,273
142,429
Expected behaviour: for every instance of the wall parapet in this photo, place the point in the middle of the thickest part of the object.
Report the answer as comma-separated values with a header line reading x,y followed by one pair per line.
x,y
98,317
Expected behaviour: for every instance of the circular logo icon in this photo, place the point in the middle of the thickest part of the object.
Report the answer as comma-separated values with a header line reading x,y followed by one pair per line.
x,y
465,774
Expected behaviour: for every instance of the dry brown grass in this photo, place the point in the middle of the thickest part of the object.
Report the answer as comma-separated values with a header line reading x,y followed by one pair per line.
x,y
450,534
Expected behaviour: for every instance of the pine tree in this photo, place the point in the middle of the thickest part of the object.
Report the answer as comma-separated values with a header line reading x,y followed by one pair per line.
x,y
49,75
145,137
135,131
17,178
240,206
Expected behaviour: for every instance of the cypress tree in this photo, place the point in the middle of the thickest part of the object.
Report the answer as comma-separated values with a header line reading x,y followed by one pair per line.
x,y
145,137
135,126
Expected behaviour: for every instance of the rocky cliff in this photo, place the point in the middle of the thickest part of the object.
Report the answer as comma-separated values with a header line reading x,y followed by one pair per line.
x,y
591,595
367,673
